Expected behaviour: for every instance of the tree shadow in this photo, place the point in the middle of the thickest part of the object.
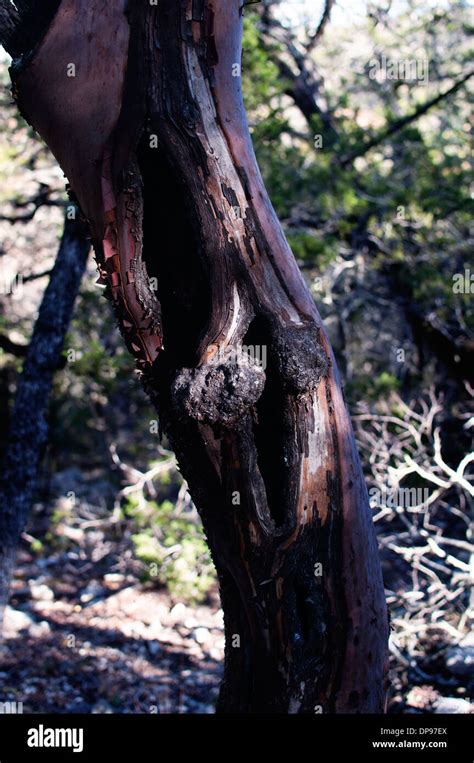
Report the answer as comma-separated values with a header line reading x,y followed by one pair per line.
x,y
86,668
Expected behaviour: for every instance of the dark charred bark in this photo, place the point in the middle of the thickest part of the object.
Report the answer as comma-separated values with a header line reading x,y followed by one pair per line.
x,y
28,433
269,452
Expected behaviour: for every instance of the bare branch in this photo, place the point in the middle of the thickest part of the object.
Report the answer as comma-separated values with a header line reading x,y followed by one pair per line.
x,y
12,348
399,124
305,86
9,21
42,198
314,39
23,25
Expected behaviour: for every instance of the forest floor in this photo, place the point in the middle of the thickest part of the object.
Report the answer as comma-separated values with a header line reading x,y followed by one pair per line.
x,y
86,632
76,644
81,637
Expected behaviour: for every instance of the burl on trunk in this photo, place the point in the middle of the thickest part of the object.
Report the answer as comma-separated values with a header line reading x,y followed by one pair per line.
x,y
141,104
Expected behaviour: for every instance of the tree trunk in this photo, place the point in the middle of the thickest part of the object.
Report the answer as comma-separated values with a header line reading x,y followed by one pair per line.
x,y
151,131
28,433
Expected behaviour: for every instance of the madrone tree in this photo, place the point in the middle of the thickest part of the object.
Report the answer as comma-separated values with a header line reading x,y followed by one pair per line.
x,y
141,104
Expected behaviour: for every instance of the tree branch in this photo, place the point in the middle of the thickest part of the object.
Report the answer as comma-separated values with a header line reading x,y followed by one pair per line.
x,y
399,124
12,348
40,199
304,85
9,22
22,27
314,39
36,276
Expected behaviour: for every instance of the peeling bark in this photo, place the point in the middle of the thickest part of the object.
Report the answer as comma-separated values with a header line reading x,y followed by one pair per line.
x,y
268,453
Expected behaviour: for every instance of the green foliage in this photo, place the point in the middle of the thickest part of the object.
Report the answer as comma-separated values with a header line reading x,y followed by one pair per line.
x,y
372,388
172,548
260,80
412,192
313,247
385,383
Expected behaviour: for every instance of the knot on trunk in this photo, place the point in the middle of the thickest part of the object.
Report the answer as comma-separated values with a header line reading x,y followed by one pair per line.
x,y
221,391
302,360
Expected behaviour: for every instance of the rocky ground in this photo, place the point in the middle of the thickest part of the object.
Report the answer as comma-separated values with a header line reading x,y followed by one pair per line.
x,y
77,643
74,644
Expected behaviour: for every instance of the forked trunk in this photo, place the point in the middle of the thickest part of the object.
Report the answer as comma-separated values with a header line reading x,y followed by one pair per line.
x,y
141,103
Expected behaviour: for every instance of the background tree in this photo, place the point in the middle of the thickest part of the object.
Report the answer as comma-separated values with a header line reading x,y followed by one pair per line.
x,y
28,431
